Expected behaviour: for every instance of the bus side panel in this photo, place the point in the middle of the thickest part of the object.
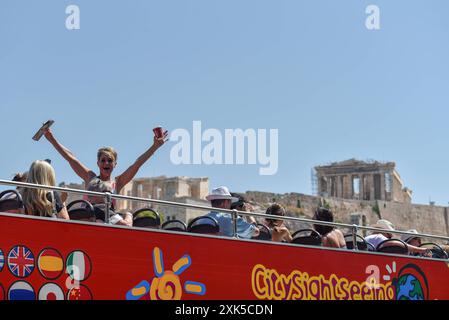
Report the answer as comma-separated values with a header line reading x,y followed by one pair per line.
x,y
52,259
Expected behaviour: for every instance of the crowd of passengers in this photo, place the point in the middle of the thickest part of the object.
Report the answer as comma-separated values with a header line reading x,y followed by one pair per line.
x,y
45,203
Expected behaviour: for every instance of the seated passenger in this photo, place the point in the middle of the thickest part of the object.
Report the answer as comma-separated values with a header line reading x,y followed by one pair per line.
x,y
279,231
221,198
445,247
243,205
40,202
331,237
378,237
18,177
410,239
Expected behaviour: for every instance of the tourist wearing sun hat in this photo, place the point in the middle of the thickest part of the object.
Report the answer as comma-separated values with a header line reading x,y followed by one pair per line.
x,y
379,236
411,239
221,198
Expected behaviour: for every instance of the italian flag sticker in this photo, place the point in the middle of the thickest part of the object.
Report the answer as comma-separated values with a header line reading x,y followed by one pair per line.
x,y
78,266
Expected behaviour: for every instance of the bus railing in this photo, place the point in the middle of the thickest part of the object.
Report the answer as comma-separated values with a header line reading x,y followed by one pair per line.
x,y
108,197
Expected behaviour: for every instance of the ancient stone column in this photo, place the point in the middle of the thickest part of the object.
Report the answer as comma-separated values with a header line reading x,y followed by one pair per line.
x,y
361,185
339,186
371,182
382,187
329,186
348,186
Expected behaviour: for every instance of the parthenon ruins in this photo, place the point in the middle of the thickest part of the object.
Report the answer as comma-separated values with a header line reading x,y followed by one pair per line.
x,y
360,180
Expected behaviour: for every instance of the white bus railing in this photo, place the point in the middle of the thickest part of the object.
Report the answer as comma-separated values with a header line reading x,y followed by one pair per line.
x,y
108,197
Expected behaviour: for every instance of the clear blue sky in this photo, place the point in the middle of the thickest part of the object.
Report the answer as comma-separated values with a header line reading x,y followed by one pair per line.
x,y
311,69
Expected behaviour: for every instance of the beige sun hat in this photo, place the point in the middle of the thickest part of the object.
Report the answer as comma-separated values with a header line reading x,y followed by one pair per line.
x,y
383,224
408,237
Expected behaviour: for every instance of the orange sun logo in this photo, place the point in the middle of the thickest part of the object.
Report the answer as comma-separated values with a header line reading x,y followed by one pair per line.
x,y
167,284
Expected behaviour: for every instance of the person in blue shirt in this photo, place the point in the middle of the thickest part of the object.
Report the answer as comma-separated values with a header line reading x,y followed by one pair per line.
x,y
221,198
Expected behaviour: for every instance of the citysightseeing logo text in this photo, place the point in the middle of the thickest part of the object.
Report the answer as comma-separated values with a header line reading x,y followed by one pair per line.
x,y
269,284
227,148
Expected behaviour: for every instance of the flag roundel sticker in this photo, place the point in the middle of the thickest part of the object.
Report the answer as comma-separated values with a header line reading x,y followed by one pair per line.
x,y
50,263
21,261
78,266
21,290
51,291
80,292
2,259
2,293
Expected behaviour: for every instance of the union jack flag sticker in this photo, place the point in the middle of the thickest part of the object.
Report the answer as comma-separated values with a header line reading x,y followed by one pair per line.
x,y
21,261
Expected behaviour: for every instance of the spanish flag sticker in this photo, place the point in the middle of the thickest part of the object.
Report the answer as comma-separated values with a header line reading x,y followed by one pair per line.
x,y
50,264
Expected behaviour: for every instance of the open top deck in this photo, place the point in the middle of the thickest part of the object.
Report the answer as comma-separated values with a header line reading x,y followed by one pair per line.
x,y
45,259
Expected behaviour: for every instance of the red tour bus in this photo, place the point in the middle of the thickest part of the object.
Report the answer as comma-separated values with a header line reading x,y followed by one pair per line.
x,y
50,259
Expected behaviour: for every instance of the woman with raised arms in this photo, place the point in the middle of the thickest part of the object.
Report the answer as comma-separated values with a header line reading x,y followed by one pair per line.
x,y
104,182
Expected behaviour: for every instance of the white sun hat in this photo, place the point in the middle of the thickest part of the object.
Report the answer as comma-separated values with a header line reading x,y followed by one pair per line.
x,y
221,193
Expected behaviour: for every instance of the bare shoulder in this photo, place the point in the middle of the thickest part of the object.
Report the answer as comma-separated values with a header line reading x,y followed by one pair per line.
x,y
339,233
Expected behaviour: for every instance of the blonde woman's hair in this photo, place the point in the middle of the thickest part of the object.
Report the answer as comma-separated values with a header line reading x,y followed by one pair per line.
x,y
35,200
107,151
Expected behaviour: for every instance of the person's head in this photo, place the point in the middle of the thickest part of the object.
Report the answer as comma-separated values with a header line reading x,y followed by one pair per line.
x,y
323,214
385,225
106,160
221,198
35,200
41,172
20,177
221,203
238,205
276,210
410,239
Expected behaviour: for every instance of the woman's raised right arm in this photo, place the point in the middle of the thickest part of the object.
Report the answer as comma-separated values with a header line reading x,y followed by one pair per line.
x,y
81,170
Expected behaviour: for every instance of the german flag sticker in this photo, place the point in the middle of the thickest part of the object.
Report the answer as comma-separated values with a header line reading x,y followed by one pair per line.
x,y
50,264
